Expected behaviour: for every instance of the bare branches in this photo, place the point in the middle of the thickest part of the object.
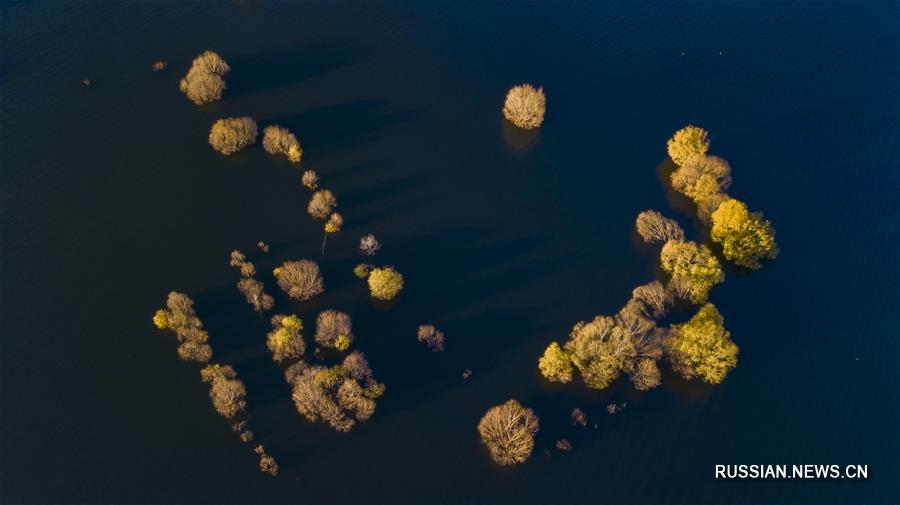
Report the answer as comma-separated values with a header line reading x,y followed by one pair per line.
x,y
654,227
508,432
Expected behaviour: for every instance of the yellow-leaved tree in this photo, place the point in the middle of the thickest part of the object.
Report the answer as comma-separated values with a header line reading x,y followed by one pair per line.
x,y
745,236
693,264
687,142
702,347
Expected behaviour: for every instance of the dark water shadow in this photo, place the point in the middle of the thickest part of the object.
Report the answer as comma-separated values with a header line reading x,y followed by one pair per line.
x,y
342,126
519,139
258,72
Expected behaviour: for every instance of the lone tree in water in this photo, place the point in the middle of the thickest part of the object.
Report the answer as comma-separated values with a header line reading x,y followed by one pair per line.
x,y
179,317
508,432
702,347
226,391
654,227
285,341
694,264
310,180
687,142
525,106
333,225
279,140
431,337
369,245
555,364
300,280
204,82
322,204
230,135
385,283
745,237
334,330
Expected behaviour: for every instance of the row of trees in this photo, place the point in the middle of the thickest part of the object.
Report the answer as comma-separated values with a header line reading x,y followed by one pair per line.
x,y
746,237
226,392
252,289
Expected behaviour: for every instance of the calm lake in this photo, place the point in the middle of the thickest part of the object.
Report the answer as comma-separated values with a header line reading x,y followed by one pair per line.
x,y
110,197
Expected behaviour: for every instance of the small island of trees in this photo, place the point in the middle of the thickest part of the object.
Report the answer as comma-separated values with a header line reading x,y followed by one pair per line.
x,y
279,140
334,330
230,135
204,82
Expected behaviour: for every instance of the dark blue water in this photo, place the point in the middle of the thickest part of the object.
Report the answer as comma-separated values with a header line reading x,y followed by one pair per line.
x,y
111,197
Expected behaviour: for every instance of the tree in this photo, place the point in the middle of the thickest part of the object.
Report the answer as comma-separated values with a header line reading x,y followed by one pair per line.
x,y
369,245
600,350
226,391
230,135
204,82
385,283
179,317
361,270
645,375
525,106
702,347
251,288
694,264
332,325
322,204
279,140
508,432
431,337
333,225
555,364
654,227
310,179
267,464
285,341
300,280
701,177
687,142
745,237
655,298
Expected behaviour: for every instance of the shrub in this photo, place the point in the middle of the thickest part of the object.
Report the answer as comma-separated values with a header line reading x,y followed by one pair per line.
x,y
179,317
230,135
226,391
278,140
555,364
687,142
285,341
431,337
385,283
508,432
332,325
525,106
694,264
361,270
745,237
322,204
268,465
654,227
204,82
300,280
702,347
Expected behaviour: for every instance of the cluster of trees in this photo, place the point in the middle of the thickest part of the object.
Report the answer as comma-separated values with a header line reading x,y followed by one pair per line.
x,y
179,317
334,330
204,82
746,237
252,288
279,140
230,135
525,106
340,395
431,337
300,280
285,341
508,432
385,282
227,393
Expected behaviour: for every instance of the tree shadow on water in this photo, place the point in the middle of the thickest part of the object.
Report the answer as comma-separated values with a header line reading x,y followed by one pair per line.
x,y
258,72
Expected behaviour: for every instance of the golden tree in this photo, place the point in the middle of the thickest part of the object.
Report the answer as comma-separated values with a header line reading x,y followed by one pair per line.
x,y
285,341
555,364
525,106
230,135
702,347
226,391
745,237
321,204
687,142
385,283
204,82
694,264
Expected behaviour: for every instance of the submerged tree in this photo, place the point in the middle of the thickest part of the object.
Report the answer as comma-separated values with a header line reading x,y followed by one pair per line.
x,y
508,432
600,351
334,329
655,299
745,237
322,204
204,82
300,280
702,347
431,337
230,135
251,288
525,106
285,341
267,463
225,390
369,245
692,263
279,140
333,225
310,179
687,142
702,177
646,375
385,283
556,364
179,317
654,227
361,270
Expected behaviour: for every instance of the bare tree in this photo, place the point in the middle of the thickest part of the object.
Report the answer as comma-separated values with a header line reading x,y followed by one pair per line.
x,y
525,106
310,179
301,280
508,431
432,337
654,227
254,294
332,325
204,82
369,245
279,140
230,135
322,204
179,317
656,299
226,391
